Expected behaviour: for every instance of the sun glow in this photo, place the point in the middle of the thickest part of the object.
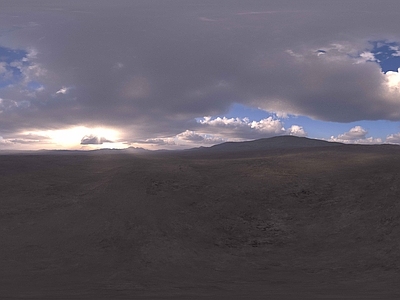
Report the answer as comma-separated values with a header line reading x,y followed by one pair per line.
x,y
71,138
393,79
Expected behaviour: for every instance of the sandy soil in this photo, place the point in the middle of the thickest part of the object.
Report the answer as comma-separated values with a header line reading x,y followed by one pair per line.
x,y
318,223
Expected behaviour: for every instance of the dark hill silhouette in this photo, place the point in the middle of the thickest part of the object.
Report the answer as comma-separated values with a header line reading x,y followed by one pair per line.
x,y
260,147
277,142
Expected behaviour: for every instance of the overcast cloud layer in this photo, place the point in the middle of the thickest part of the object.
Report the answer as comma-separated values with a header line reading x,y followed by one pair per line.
x,y
158,71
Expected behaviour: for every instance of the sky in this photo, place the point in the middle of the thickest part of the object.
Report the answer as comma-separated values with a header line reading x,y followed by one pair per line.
x,y
174,74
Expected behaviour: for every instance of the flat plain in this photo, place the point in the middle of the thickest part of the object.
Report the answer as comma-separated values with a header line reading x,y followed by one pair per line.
x,y
283,223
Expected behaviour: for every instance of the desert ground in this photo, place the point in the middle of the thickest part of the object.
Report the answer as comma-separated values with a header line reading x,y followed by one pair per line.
x,y
282,223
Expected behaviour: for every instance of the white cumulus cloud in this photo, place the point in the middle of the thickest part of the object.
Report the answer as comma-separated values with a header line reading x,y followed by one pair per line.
x,y
236,128
356,135
296,130
393,138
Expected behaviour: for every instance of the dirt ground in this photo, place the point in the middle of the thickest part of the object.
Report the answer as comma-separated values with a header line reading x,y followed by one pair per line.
x,y
316,223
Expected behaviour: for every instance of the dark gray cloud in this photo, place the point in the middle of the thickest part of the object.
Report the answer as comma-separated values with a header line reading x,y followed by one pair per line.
x,y
94,140
150,67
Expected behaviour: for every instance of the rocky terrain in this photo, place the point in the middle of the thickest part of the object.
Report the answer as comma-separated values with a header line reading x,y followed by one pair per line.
x,y
313,221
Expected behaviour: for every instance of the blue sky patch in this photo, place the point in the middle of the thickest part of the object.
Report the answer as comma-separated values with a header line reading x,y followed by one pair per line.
x,y
9,55
387,55
9,58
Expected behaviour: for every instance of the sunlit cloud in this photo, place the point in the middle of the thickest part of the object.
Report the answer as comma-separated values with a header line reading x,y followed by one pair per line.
x,y
63,90
356,135
71,138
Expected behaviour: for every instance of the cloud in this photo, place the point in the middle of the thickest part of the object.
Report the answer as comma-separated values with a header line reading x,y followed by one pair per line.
x,y
218,130
393,80
186,139
118,65
393,138
94,140
296,130
244,128
197,138
370,141
3,68
155,66
159,141
63,90
367,56
356,135
4,142
190,136
268,125
207,19
23,139
396,50
7,105
136,87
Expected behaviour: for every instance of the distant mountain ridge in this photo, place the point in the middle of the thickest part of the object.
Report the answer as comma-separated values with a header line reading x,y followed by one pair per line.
x,y
277,142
